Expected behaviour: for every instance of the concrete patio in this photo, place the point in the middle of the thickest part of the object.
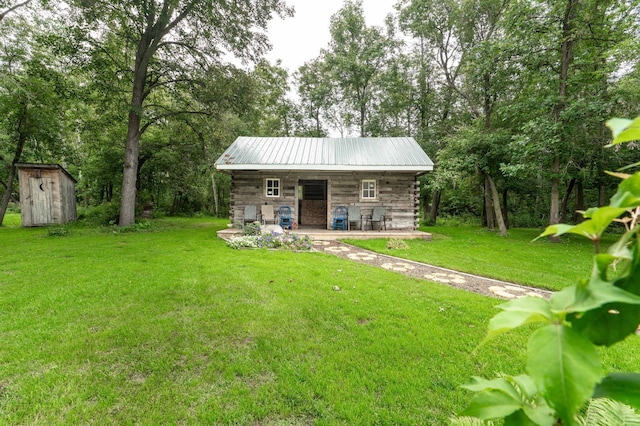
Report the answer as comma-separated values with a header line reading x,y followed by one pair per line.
x,y
318,234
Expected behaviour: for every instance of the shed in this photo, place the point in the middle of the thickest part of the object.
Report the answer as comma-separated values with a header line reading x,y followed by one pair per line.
x,y
47,194
314,176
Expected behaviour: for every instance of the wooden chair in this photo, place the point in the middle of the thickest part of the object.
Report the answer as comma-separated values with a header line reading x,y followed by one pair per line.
x,y
378,216
339,220
250,214
267,214
354,216
284,214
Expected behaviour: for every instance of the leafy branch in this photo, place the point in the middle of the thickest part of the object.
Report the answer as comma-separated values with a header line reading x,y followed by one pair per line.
x,y
563,365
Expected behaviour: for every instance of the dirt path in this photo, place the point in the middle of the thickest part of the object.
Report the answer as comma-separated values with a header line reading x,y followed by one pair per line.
x,y
461,280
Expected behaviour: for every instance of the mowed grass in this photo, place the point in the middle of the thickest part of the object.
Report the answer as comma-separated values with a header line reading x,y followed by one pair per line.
x,y
515,258
171,326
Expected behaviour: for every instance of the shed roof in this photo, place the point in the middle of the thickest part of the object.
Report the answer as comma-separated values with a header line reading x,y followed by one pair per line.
x,y
45,167
325,154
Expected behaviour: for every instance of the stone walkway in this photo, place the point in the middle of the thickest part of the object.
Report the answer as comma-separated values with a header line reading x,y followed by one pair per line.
x,y
461,280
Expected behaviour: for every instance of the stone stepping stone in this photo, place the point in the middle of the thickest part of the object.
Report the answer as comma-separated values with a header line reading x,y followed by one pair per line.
x,y
338,249
445,278
398,266
361,256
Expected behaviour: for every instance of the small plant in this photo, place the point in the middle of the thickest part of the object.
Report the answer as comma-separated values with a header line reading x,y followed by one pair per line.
x,y
252,228
396,244
145,225
272,241
57,231
243,241
563,363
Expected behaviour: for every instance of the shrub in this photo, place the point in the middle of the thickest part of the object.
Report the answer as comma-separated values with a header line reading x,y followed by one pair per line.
x,y
57,231
396,244
252,228
272,241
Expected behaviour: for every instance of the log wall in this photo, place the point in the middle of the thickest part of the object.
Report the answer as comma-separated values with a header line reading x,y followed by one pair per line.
x,y
397,192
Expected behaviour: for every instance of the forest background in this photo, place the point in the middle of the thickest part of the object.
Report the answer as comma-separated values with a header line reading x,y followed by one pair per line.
x,y
138,98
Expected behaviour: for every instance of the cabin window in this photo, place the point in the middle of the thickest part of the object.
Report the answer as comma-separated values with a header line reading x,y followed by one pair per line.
x,y
272,187
368,189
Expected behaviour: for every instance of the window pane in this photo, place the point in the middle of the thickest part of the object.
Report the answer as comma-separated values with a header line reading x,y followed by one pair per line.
x,y
368,189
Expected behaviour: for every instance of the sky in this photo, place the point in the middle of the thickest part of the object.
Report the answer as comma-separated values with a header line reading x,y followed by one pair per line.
x,y
299,39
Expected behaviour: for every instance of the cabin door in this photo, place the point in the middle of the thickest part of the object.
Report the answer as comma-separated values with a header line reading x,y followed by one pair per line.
x,y
41,190
312,203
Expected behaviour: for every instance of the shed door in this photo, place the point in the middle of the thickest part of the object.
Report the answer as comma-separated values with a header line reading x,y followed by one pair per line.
x,y
312,209
41,190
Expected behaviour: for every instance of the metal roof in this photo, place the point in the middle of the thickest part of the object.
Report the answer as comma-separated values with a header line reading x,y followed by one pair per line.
x,y
325,154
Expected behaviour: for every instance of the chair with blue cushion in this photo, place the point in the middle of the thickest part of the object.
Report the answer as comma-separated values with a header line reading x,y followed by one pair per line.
x,y
339,218
285,217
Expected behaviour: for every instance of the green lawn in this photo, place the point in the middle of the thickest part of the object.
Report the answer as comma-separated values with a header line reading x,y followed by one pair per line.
x,y
514,258
171,326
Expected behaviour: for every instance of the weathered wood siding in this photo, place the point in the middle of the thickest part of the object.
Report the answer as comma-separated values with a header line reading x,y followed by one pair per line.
x,y
47,196
397,192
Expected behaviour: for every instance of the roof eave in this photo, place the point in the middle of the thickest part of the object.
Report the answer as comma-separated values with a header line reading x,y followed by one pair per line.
x,y
325,168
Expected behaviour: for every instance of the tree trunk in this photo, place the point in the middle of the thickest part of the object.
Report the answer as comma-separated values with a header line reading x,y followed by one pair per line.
x,y
577,217
435,203
132,149
23,125
505,206
602,195
564,206
130,174
488,206
502,228
554,212
216,201
566,58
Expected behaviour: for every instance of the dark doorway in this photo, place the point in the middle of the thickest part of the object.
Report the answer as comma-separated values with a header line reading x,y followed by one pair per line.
x,y
312,203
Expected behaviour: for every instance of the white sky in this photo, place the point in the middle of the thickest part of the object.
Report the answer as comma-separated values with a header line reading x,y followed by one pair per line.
x,y
297,40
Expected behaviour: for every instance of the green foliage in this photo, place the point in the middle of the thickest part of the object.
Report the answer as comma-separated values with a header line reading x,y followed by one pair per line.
x,y
102,214
606,412
397,244
562,358
144,225
287,241
252,228
57,231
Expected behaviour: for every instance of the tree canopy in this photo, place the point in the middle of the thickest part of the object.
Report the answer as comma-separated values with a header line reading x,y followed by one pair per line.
x,y
138,98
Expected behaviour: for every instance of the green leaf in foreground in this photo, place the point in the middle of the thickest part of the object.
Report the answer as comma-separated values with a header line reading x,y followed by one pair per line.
x,y
628,194
622,387
624,130
519,312
514,398
565,366
598,219
612,321
492,404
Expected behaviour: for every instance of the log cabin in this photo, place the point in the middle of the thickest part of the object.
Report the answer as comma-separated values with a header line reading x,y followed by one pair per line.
x,y
314,176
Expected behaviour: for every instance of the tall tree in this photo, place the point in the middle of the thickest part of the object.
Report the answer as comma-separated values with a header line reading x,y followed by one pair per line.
x,y
170,40
8,7
314,89
356,55
34,95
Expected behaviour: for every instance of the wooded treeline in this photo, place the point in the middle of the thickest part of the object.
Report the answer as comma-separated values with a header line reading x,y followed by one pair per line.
x,y
137,98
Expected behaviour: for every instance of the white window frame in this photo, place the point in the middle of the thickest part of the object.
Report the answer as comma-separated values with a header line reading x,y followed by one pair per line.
x,y
275,189
368,190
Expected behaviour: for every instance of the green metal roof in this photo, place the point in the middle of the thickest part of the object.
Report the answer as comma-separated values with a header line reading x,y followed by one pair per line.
x,y
325,154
